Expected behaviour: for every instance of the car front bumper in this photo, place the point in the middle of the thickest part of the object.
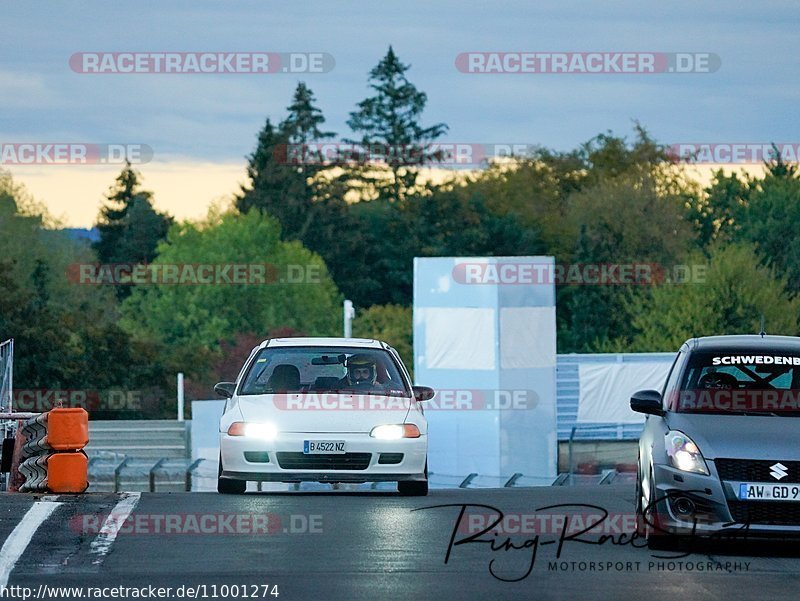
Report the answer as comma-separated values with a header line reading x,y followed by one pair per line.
x,y
714,501
235,450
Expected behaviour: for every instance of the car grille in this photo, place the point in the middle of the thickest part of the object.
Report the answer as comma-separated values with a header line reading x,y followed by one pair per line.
x,y
750,470
768,513
345,461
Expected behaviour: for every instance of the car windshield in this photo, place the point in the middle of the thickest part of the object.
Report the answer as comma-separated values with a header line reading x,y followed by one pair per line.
x,y
741,382
324,369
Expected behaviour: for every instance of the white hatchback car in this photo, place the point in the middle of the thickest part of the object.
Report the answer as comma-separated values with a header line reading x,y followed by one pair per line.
x,y
323,410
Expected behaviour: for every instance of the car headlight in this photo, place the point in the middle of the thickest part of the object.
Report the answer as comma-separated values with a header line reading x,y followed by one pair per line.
x,y
253,430
684,454
395,431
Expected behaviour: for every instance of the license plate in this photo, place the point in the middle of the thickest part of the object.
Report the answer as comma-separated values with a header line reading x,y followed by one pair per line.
x,y
318,447
761,491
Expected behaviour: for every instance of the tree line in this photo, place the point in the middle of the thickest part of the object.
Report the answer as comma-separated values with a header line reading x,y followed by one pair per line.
x,y
359,220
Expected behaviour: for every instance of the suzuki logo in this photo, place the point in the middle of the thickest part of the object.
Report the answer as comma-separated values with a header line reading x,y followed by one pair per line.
x,y
778,471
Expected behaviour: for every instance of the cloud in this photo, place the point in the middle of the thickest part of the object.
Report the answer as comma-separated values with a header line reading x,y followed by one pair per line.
x,y
23,90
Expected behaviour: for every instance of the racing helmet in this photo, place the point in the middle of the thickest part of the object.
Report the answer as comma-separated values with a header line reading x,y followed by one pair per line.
x,y
361,369
718,380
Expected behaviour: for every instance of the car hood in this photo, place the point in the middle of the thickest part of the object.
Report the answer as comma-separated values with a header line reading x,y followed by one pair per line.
x,y
740,436
325,412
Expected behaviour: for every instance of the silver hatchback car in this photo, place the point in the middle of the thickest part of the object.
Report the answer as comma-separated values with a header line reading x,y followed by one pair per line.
x,y
720,452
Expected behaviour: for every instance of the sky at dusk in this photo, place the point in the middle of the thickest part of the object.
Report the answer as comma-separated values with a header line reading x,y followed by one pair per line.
x,y
200,126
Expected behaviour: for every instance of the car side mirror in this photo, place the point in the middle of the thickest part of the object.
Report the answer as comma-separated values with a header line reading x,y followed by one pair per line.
x,y
225,389
423,393
647,401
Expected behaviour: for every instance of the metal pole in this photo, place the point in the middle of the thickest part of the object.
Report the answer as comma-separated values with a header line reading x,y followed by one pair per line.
x,y
117,472
189,472
349,314
466,482
21,415
7,428
180,397
11,378
571,438
7,369
153,470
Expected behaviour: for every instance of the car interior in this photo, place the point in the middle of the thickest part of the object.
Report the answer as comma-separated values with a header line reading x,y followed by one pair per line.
x,y
288,377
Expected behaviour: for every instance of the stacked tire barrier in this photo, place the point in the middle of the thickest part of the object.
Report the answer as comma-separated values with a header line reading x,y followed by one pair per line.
x,y
51,456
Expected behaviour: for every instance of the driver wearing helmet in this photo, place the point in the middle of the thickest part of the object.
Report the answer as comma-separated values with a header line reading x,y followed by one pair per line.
x,y
361,372
717,380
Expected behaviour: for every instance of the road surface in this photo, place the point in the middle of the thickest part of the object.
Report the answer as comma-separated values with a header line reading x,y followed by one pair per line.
x,y
369,545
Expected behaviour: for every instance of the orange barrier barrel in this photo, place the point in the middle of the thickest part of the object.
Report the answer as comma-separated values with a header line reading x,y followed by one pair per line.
x,y
49,452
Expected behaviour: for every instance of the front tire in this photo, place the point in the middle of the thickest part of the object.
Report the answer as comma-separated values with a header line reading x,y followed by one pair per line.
x,y
414,488
657,540
641,527
226,486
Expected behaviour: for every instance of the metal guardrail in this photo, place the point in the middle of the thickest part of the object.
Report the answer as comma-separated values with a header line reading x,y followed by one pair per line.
x,y
608,477
561,480
512,480
17,416
465,483
108,470
477,480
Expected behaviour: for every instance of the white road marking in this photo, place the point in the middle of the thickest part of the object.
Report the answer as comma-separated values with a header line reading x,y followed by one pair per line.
x,y
21,536
108,532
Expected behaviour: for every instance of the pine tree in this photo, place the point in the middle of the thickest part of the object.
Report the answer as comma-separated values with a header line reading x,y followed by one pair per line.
x,y
778,167
270,177
390,128
301,128
130,228
282,170
304,120
310,209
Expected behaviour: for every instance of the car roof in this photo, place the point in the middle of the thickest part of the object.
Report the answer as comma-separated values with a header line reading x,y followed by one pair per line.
x,y
739,341
323,342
